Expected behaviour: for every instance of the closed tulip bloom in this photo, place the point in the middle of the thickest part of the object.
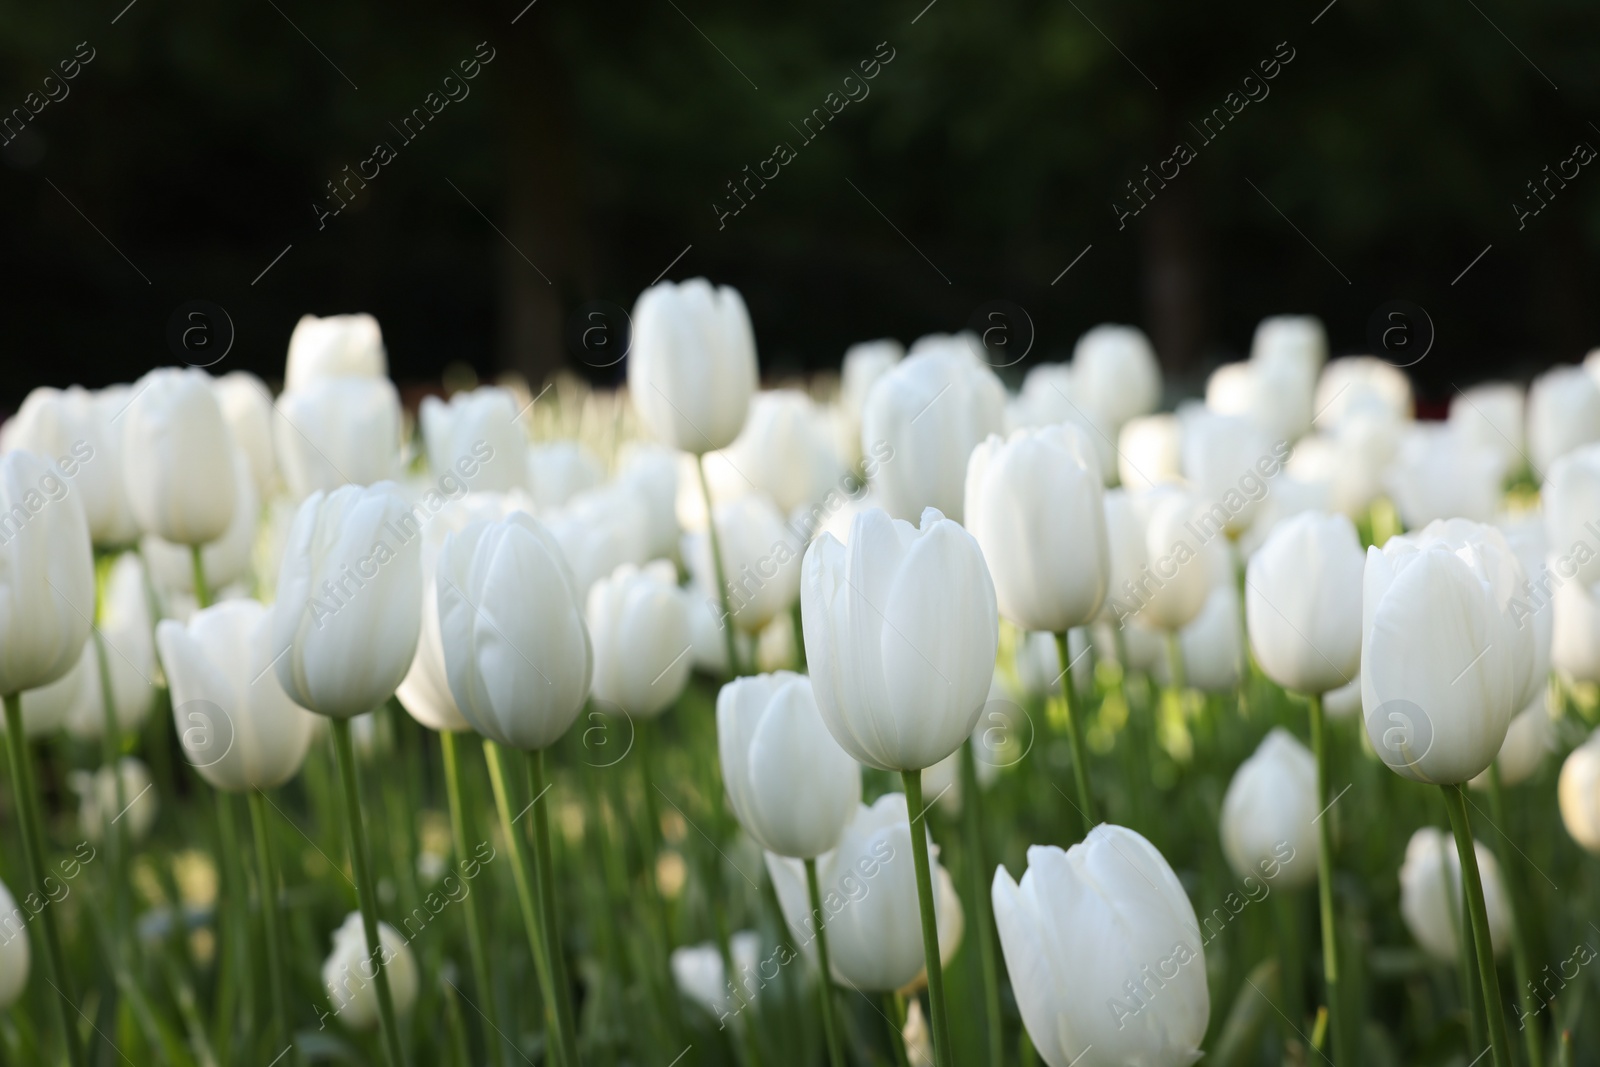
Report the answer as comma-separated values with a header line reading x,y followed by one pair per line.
x,y
476,437
520,677
1125,541
864,363
1268,810
178,457
932,409
349,603
227,559
1297,341
760,560
1491,414
792,787
692,367
1221,455
339,431
1277,398
1172,587
1571,500
1150,451
1563,413
1353,385
49,707
1114,371
786,450
601,529
1430,877
238,727
72,429
98,805
1445,664
46,574
1104,953
1352,459
868,890
1344,701
1530,737
1212,650
560,470
15,954
702,977
1050,397
337,346
247,409
901,631
1578,791
1575,631
1303,603
1033,502
349,974
640,629
1439,474
130,656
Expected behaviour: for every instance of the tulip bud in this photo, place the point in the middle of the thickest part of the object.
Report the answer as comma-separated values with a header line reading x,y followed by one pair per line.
x,y
100,808
868,891
601,529
1430,877
864,364
1225,458
1361,385
1490,414
1049,398
1297,341
1303,603
1438,474
178,457
901,631
349,601
476,437
1445,664
1578,791
350,973
130,656
238,727
640,629
1352,459
701,976
338,346
48,708
488,575
1104,952
15,954
1171,588
1210,645
338,431
72,429
1150,451
791,786
1275,397
760,560
1114,372
227,559
1529,738
247,409
932,409
1563,413
784,450
1033,502
692,366
560,470
48,598
1269,813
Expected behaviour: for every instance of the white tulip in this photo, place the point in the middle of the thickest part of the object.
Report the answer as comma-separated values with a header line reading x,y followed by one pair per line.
x,y
350,973
1296,341
1571,501
901,631
48,708
785,450
338,346
1354,385
1105,954
46,574
650,472
692,367
1114,372
1150,451
1049,397
130,656
1269,813
349,603
248,410
1171,588
1430,877
1303,603
1578,792
1352,459
1275,396
1033,502
15,954
99,806
73,429
864,364
476,437
791,786
1212,650
178,457
560,470
1563,413
227,559
1575,630
1491,414
1530,737
519,677
339,431
1439,474
1225,458
640,629
701,976
761,560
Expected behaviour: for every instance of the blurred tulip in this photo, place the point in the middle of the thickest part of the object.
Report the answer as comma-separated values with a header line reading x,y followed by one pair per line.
x,y
99,806
692,367
1578,791
599,530
778,644
1361,385
1114,371
704,612
1445,665
1563,413
1176,577
1275,397
1296,341
1352,459
15,954
338,431
73,429
1530,737
1210,645
338,346
791,786
48,708
639,626
1268,813
349,603
1491,414
1225,458
227,559
178,458
1125,543
1343,701
760,560
932,409
349,972
1571,501
47,597
1575,630
650,473
488,575
868,891
130,656
901,631
701,976
1049,397
1033,503
560,470
1150,452
238,728
476,437
784,450
1430,877
1439,474
864,363
1086,928
247,408
1303,603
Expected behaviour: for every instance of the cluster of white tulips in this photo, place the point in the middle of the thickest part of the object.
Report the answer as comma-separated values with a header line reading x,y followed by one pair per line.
x,y
887,580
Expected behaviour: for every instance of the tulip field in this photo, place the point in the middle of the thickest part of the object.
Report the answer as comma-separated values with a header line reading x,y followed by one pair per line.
x,y
936,712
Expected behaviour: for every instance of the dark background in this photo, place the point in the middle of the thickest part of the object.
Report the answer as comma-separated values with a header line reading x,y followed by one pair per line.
x,y
596,141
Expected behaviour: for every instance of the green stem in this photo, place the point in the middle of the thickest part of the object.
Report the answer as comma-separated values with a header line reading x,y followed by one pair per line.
x,y
1330,933
520,874
895,1005
476,944
271,922
825,986
1080,751
1294,994
202,591
939,1021
28,816
117,842
1493,1010
366,890
558,992
1467,973
1532,1041
716,566
972,819
1180,677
